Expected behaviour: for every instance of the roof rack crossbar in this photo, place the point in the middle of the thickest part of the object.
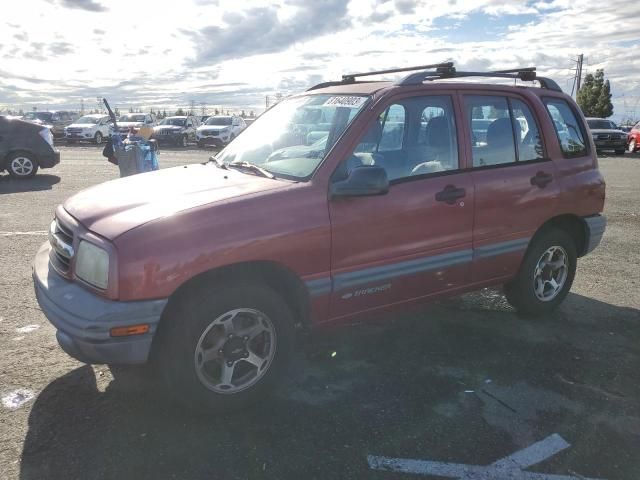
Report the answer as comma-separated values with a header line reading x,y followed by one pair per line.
x,y
446,70
351,76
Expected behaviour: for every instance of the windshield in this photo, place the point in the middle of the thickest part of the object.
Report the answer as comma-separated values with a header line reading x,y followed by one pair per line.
x,y
292,138
178,122
219,121
88,120
44,116
131,118
601,125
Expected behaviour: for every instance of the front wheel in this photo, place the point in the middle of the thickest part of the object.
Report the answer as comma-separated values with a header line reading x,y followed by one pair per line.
x,y
546,274
632,146
225,350
98,138
184,141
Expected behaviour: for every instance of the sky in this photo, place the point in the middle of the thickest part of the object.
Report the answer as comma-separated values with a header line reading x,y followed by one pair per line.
x,y
230,54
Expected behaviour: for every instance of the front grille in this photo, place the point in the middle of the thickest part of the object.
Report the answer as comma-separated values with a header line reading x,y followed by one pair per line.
x,y
74,130
61,240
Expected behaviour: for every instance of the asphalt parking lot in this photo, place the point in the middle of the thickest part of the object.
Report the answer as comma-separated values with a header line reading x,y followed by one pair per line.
x,y
464,381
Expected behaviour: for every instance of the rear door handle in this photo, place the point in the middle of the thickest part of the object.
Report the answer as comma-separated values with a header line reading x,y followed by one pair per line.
x,y
541,179
450,194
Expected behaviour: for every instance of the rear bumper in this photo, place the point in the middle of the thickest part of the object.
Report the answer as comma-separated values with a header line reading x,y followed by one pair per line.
x,y
84,320
49,160
595,225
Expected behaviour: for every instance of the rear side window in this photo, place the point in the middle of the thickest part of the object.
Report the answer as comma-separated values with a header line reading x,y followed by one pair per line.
x,y
569,131
492,135
528,138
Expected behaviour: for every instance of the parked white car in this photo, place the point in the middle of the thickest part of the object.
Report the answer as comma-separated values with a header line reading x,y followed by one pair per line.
x,y
219,130
93,128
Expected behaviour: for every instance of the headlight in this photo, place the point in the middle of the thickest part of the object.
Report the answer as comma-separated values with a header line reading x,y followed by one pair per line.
x,y
47,136
92,265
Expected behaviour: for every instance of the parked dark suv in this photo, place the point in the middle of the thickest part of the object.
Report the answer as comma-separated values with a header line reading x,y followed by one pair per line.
x,y
25,147
206,270
607,136
179,130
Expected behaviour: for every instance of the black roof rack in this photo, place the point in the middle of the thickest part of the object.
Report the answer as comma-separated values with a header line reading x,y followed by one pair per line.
x,y
447,70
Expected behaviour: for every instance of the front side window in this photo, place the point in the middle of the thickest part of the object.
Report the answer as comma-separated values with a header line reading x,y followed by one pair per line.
x,y
492,131
416,136
568,129
291,139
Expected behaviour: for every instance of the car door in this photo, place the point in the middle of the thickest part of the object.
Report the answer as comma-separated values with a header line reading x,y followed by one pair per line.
x,y
4,138
416,239
515,182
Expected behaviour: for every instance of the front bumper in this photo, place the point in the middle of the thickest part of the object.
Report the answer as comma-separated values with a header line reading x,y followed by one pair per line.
x,y
595,227
83,320
173,137
208,140
611,144
49,159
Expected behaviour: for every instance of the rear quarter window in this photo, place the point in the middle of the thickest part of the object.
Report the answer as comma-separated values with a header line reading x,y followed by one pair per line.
x,y
569,129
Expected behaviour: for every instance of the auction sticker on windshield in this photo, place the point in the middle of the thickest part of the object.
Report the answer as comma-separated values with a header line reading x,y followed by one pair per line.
x,y
347,101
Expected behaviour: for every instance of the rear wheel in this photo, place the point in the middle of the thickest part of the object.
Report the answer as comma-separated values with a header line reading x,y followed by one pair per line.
x,y
22,165
184,141
98,138
224,350
546,274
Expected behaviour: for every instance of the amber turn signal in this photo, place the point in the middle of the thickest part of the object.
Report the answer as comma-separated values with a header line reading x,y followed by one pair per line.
x,y
130,330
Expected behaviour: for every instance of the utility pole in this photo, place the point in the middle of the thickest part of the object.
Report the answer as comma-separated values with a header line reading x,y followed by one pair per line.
x,y
579,79
82,106
192,107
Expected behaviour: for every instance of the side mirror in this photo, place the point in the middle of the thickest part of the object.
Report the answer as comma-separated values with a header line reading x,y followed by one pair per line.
x,y
362,181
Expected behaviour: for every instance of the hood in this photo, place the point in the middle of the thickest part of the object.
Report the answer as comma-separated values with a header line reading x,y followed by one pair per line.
x,y
215,128
115,207
168,127
595,131
130,124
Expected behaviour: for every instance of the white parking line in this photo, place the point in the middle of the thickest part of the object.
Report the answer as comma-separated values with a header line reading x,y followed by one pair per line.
x,y
507,468
27,329
14,234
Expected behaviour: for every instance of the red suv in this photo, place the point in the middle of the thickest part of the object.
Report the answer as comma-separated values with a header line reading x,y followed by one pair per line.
x,y
633,139
353,198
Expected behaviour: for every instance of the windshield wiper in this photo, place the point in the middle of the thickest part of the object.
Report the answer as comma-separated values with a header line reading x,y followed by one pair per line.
x,y
252,167
218,163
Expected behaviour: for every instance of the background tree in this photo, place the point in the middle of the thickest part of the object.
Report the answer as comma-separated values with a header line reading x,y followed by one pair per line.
x,y
594,97
179,112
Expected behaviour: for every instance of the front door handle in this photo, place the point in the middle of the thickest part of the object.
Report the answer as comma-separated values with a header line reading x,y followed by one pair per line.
x,y
541,179
450,194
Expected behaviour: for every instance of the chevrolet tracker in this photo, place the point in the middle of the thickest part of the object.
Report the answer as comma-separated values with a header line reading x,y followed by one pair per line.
x,y
350,199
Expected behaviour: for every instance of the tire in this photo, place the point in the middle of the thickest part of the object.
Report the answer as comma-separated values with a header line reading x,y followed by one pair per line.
x,y
524,292
98,138
192,330
21,165
184,142
632,146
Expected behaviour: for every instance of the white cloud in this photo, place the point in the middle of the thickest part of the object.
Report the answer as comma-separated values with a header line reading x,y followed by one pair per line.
x,y
233,53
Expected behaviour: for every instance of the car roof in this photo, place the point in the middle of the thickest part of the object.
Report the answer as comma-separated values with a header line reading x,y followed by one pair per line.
x,y
96,115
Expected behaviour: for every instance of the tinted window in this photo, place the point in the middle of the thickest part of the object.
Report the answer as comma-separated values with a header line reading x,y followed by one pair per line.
x,y
492,133
567,127
528,141
414,137
601,124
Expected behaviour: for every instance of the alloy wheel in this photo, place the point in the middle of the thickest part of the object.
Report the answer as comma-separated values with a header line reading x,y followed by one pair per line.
x,y
632,145
550,273
235,351
22,166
